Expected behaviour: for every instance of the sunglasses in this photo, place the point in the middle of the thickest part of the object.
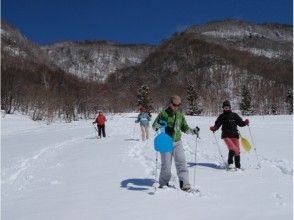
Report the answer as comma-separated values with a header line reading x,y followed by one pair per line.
x,y
175,105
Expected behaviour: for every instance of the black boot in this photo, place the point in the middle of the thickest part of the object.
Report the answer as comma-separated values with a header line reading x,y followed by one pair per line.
x,y
186,188
237,162
230,157
181,184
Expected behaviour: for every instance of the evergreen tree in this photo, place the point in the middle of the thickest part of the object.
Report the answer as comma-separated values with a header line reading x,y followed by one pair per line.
x,y
245,105
274,109
192,98
144,98
289,101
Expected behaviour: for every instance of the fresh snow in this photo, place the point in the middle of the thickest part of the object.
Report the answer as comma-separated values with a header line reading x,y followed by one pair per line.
x,y
231,33
62,171
261,52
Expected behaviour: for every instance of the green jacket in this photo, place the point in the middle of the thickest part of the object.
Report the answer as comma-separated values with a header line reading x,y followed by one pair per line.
x,y
176,123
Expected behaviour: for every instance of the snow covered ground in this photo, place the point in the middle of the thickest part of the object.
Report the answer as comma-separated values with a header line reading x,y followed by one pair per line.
x,y
62,171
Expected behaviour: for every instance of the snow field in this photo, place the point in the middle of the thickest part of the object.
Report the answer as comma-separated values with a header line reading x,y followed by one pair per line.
x,y
62,171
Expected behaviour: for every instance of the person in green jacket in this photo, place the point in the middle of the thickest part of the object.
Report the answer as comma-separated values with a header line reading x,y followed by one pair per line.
x,y
176,123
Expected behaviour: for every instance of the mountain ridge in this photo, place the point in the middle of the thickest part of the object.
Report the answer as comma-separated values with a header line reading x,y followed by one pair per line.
x,y
217,58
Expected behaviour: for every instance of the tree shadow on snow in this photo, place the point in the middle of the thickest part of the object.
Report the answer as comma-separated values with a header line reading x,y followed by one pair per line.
x,y
137,184
210,165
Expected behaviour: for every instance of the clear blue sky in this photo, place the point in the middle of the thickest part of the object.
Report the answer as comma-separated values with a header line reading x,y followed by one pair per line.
x,y
131,21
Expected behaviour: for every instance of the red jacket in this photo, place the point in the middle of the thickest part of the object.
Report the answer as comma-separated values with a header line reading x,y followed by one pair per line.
x,y
100,120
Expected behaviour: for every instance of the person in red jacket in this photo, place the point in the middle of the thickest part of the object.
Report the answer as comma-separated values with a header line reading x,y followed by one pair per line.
x,y
100,120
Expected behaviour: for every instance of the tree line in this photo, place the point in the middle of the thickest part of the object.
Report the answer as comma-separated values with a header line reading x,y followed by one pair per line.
x,y
46,93
194,107
204,74
217,72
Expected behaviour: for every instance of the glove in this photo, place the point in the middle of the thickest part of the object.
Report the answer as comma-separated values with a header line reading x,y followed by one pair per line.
x,y
246,122
212,128
196,130
93,122
156,127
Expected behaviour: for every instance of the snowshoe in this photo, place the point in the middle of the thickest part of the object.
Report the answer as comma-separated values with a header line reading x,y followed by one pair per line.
x,y
231,167
166,186
191,190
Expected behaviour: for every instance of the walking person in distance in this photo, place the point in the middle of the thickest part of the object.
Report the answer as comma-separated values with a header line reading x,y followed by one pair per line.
x,y
100,121
144,119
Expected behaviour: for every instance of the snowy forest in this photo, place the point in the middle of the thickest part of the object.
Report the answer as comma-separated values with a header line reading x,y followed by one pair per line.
x,y
249,64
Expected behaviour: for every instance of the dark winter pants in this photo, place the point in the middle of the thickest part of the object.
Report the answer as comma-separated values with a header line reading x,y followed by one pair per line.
x,y
237,159
234,151
101,128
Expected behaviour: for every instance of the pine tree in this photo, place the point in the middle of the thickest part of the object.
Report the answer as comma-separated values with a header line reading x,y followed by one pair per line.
x,y
192,98
289,102
245,105
144,98
274,109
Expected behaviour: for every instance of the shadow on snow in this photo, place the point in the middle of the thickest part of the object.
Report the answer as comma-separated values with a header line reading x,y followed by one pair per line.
x,y
137,184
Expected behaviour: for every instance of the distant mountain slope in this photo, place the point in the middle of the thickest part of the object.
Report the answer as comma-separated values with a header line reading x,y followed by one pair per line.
x,y
15,44
95,60
268,40
218,59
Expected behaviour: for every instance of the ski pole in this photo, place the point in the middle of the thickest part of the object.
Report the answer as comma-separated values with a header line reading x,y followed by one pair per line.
x,y
194,182
156,162
96,130
219,151
258,163
95,127
134,130
156,165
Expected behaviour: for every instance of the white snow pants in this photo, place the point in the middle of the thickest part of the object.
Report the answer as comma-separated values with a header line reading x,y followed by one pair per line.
x,y
180,163
145,132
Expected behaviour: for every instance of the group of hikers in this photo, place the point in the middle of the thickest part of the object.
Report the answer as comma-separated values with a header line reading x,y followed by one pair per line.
x,y
176,124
